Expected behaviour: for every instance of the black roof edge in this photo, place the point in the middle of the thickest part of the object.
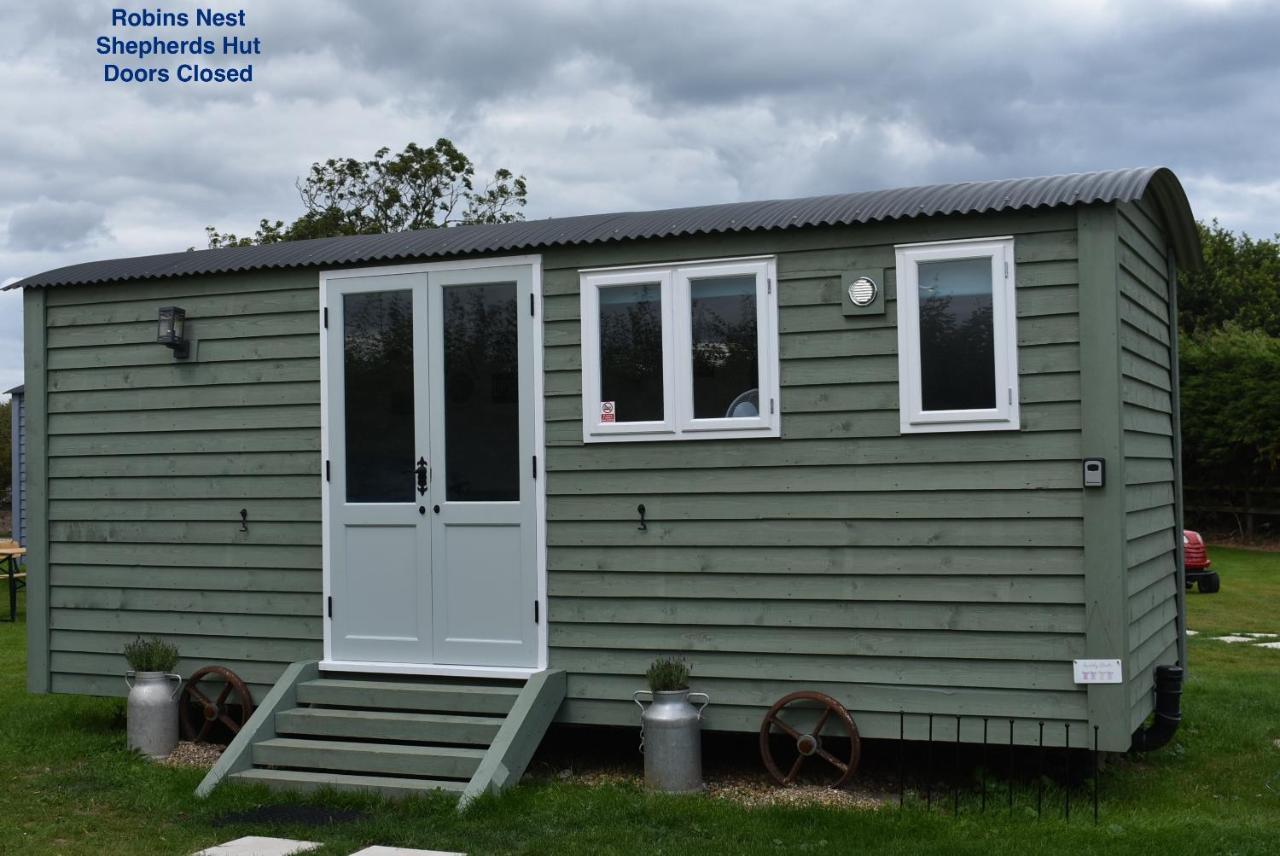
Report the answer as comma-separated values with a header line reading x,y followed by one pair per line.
x,y
1157,184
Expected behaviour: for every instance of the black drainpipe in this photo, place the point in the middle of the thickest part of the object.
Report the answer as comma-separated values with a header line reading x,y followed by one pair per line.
x,y
1168,711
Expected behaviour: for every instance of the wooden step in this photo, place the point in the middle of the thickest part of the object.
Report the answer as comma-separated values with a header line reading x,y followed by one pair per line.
x,y
299,780
426,697
395,759
389,725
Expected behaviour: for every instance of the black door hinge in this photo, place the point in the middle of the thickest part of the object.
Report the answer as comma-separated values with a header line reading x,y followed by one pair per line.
x,y
535,466
530,305
326,471
535,612
331,606
326,318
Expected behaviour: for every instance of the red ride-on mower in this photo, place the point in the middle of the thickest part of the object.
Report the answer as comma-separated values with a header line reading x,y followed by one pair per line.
x,y
1196,561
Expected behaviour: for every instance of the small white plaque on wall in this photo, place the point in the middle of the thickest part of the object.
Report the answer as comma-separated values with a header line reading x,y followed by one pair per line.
x,y
1097,671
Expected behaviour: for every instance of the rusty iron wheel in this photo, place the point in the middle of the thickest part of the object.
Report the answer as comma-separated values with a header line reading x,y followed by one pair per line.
x,y
200,708
808,743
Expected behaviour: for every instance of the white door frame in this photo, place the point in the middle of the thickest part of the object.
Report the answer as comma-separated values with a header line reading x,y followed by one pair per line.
x,y
534,262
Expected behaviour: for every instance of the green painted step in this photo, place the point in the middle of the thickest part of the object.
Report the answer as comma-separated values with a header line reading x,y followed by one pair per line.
x,y
435,697
390,758
299,780
389,725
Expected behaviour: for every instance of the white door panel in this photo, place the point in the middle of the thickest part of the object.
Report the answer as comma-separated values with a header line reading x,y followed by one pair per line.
x,y
482,384
432,368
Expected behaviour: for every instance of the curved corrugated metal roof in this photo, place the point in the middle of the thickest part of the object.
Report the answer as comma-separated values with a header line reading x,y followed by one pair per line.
x,y
1126,185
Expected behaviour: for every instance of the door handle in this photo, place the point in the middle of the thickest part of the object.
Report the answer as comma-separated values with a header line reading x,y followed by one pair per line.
x,y
421,471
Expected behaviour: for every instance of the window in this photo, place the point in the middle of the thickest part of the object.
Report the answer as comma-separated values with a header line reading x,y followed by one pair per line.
x,y
957,336
680,352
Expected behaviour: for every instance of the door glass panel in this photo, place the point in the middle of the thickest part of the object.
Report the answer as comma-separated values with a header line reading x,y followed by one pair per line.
x,y
957,342
631,352
481,393
726,349
378,386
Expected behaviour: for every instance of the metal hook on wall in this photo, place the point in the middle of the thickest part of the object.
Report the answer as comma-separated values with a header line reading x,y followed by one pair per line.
x,y
244,520
643,527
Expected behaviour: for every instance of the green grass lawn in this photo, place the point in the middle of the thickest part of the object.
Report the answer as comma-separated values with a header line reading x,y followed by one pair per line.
x,y
1250,598
69,786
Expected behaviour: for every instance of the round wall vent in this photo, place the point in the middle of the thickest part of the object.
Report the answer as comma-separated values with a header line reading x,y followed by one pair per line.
x,y
863,291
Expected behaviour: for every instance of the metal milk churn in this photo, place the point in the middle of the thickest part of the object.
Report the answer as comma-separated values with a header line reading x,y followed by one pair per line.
x,y
153,712
671,740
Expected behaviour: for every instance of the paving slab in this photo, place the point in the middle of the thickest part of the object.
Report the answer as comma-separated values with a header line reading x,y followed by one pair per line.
x,y
379,850
1234,639
257,845
1272,645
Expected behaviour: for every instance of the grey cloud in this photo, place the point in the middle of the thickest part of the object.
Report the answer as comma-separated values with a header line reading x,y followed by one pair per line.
x,y
46,225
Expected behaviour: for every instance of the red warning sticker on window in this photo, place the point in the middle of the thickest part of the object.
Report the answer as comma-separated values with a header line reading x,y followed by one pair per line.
x,y
607,412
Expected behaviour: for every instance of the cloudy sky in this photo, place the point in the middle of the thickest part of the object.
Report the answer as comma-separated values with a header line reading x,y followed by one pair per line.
x,y
626,105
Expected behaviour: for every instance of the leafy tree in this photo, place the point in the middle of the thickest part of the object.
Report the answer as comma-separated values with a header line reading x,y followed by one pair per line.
x,y
1231,407
419,188
1240,284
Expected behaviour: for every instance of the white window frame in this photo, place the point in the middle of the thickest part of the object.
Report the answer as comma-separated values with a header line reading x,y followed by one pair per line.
x,y
677,346
1005,416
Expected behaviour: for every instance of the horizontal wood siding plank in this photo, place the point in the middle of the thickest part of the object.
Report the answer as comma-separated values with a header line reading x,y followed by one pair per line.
x,y
170,443
136,466
198,307
968,645
964,560
809,533
144,556
1000,673
187,487
185,532
821,587
228,395
186,602
187,579
1148,521
919,615
192,419
912,451
275,510
787,505
197,648
175,374
193,624
205,328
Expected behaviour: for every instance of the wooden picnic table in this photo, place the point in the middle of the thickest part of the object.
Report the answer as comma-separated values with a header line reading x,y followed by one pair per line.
x,y
10,553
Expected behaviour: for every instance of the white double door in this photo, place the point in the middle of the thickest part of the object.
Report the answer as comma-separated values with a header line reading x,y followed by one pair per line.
x,y
431,526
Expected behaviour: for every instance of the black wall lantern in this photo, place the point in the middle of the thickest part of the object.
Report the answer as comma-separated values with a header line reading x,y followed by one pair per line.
x,y
172,332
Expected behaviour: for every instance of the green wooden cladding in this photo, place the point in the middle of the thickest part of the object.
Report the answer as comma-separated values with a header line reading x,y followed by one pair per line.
x,y
943,573
149,461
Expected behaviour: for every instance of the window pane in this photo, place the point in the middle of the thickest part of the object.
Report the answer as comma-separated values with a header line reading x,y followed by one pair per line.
x,y
957,344
631,351
481,393
378,387
726,350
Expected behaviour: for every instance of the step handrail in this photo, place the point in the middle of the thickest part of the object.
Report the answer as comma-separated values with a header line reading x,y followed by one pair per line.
x,y
261,726
518,738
